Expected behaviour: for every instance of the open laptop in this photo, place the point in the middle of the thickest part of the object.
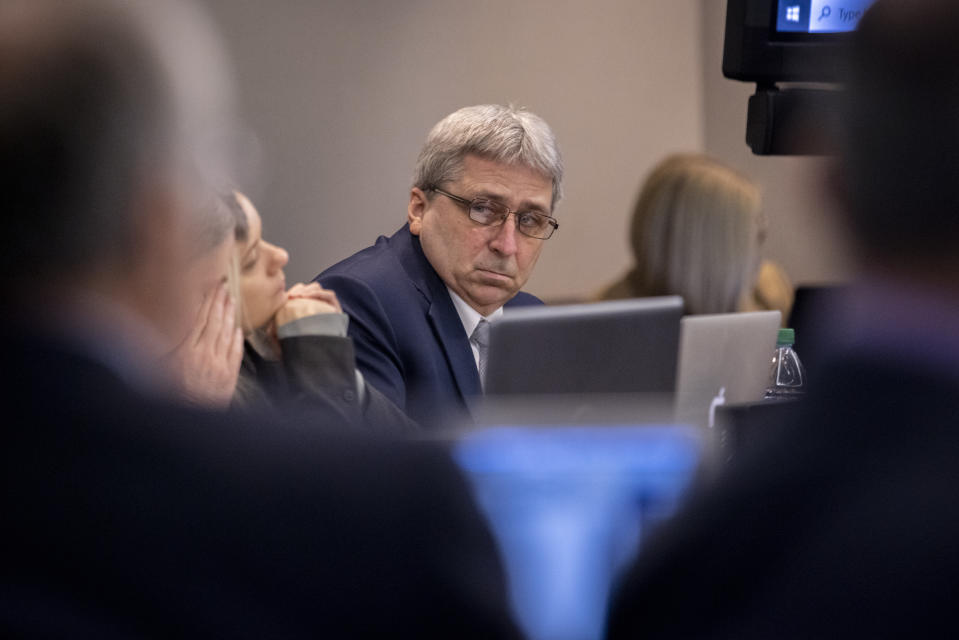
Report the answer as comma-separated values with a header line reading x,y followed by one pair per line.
x,y
725,356
623,346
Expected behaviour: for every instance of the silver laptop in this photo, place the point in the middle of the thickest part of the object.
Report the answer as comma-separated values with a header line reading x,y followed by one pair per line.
x,y
623,346
723,358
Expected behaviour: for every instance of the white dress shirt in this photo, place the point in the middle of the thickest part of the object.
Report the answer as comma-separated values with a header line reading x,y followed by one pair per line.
x,y
470,317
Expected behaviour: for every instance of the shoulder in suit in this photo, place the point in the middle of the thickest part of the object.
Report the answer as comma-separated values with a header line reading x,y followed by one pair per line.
x,y
409,340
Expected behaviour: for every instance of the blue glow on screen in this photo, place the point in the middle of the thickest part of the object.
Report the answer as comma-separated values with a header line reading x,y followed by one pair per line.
x,y
569,506
819,16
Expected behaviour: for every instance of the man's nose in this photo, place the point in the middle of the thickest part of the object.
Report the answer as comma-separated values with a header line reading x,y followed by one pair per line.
x,y
504,242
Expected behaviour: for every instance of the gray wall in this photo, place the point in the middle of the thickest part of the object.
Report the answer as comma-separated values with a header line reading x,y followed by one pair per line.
x,y
343,93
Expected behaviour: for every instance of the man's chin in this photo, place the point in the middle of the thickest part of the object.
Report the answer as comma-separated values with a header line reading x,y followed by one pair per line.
x,y
491,297
494,279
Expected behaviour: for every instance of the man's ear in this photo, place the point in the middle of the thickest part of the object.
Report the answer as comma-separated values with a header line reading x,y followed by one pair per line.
x,y
416,209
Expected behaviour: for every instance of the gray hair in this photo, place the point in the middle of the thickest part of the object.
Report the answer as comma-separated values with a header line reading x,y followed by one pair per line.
x,y
509,135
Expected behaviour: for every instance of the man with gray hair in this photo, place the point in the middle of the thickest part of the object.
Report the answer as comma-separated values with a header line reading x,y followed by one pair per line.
x,y
420,301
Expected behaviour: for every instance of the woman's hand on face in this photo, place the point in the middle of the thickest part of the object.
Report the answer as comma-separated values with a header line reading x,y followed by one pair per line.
x,y
207,362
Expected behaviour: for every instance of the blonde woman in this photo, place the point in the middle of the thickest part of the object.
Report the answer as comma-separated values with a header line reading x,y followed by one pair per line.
x,y
296,351
696,232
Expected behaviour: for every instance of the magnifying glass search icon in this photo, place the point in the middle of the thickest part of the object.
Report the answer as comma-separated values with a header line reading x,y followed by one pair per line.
x,y
826,12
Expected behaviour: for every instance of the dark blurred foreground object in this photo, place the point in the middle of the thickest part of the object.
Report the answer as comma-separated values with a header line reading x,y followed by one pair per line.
x,y
784,121
844,524
811,318
742,426
126,517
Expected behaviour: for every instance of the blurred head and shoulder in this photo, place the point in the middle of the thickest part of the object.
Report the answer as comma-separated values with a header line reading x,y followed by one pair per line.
x,y
900,158
696,231
894,178
105,112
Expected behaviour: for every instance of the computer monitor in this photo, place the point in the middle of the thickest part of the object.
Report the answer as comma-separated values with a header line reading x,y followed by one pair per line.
x,y
818,16
770,41
623,346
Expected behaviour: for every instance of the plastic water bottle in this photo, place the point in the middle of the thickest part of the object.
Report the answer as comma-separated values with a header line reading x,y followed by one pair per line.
x,y
787,378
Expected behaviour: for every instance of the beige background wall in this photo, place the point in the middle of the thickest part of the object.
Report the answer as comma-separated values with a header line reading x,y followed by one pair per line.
x,y
342,93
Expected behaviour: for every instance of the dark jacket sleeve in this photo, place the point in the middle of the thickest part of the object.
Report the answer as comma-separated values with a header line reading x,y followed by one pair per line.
x,y
320,370
376,345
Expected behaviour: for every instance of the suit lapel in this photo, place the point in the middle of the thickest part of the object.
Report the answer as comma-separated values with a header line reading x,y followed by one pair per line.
x,y
442,316
449,332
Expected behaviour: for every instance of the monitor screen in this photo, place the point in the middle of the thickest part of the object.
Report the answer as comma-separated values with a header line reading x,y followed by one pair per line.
x,y
770,41
819,16
569,504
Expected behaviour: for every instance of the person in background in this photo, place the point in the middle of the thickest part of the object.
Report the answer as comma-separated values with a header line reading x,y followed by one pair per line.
x,y
296,346
125,513
697,230
773,290
486,184
843,523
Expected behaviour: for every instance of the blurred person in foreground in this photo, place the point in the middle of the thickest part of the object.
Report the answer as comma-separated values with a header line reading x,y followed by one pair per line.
x,y
845,524
125,514
486,184
697,231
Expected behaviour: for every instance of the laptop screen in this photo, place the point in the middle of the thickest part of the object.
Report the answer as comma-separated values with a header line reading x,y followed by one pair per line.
x,y
621,346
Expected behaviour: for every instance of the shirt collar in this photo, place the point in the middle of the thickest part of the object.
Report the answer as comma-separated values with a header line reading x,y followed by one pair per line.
x,y
469,316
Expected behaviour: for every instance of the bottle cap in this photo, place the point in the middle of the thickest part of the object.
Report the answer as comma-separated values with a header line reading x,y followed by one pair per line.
x,y
786,336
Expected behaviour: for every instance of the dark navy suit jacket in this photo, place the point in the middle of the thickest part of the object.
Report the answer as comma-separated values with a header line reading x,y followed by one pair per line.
x,y
410,343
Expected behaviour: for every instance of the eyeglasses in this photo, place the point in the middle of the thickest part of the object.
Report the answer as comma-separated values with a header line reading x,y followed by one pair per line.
x,y
491,212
